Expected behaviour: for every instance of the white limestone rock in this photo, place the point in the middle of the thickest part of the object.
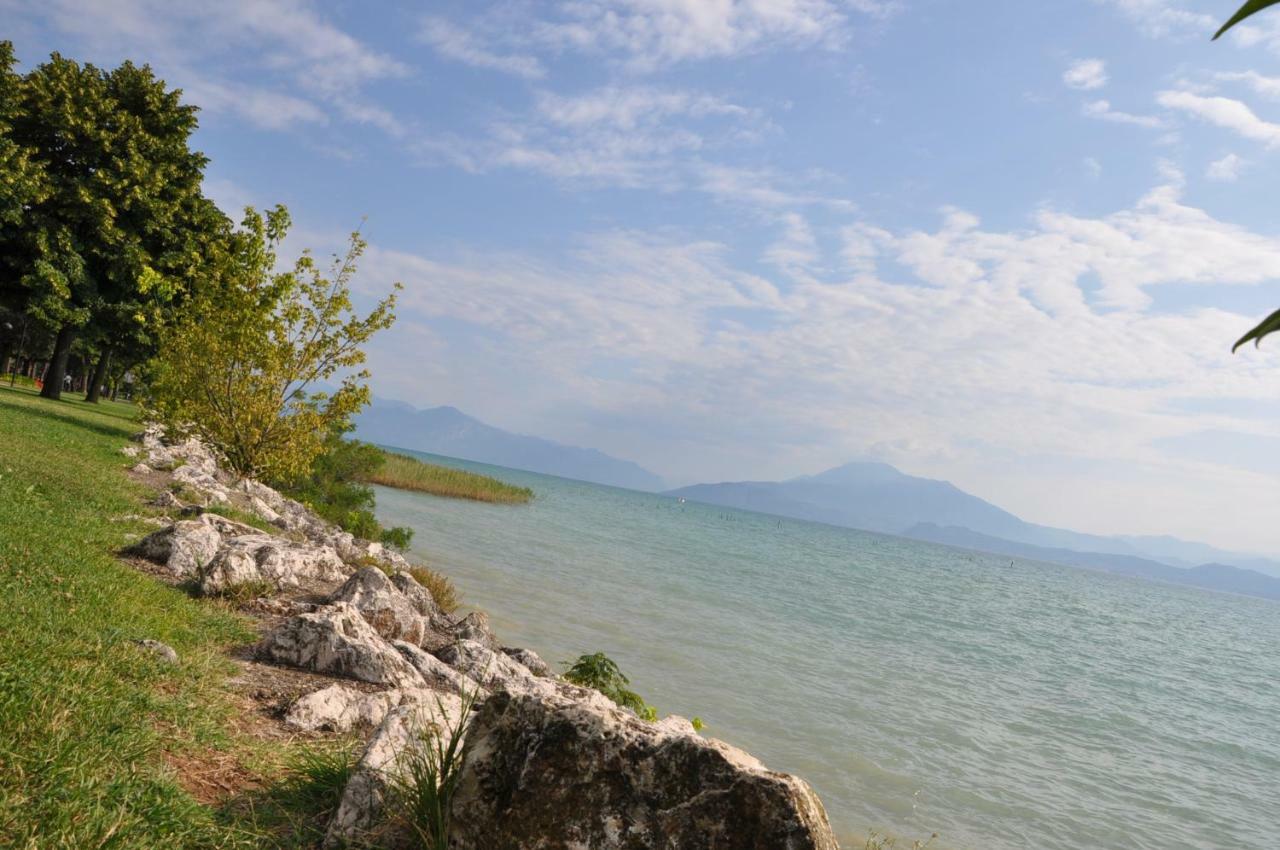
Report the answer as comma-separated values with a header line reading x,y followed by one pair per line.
x,y
337,640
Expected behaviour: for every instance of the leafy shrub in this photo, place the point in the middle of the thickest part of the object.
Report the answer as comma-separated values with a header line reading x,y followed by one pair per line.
x,y
333,487
600,672
241,364
440,587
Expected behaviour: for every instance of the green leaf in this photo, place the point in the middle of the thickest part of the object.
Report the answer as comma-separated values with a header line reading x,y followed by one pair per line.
x,y
1270,324
1250,8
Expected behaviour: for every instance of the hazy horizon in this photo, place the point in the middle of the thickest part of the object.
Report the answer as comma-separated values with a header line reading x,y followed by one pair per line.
x,y
1003,247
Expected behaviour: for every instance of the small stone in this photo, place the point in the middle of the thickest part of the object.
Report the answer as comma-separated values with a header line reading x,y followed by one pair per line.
x,y
161,651
140,469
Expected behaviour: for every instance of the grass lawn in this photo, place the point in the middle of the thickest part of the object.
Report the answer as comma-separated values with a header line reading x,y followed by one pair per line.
x,y
409,473
93,730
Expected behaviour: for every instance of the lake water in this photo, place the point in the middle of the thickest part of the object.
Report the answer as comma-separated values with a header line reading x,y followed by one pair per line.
x,y
1004,704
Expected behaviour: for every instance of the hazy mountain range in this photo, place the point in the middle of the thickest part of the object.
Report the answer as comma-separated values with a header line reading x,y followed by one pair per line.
x,y
877,497
449,431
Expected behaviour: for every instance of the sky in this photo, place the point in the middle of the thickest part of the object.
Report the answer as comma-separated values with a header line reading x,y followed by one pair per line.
x,y
1006,244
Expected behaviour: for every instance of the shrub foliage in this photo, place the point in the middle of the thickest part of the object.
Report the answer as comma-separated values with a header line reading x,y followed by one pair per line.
x,y
240,368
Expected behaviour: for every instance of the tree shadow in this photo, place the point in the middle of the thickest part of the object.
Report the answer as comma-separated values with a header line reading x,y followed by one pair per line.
x,y
70,418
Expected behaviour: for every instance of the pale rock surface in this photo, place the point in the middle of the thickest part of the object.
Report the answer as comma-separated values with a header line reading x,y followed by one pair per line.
x,y
266,558
529,659
337,640
183,548
382,605
383,764
339,709
563,774
475,627
437,673
418,596
494,670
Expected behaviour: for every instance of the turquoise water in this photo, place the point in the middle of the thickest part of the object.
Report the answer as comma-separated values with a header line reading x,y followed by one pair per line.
x,y
1003,704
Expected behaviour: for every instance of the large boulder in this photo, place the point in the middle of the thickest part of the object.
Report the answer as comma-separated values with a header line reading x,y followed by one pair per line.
x,y
337,640
263,558
560,773
187,545
392,614
383,766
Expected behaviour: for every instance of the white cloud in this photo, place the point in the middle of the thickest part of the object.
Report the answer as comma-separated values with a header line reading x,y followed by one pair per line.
x,y
1092,167
796,249
262,108
287,40
1227,169
1166,18
648,35
960,346
1223,112
1267,86
1086,74
459,45
1101,109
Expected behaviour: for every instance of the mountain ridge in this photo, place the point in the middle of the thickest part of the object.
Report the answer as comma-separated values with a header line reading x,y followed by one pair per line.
x,y
878,497
446,430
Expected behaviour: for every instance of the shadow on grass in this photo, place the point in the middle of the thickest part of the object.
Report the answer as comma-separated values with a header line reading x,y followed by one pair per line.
x,y
72,414
296,808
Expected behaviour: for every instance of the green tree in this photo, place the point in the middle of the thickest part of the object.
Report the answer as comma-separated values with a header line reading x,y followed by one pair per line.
x,y
241,364
113,223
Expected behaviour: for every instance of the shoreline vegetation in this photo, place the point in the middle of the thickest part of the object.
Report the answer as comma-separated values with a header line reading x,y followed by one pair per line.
x,y
402,472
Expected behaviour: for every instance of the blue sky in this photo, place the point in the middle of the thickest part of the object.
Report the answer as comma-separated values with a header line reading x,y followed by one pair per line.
x,y
1007,244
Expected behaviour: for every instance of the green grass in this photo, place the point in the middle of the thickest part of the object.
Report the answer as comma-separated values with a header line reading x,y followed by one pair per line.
x,y
89,724
408,473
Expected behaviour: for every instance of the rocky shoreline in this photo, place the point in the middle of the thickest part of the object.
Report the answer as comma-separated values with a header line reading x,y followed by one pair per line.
x,y
364,648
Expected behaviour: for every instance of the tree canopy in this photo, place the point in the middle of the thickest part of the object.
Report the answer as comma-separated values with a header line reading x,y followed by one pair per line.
x,y
103,219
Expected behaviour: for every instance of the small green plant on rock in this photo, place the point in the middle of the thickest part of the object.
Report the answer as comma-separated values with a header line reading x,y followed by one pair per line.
x,y
601,672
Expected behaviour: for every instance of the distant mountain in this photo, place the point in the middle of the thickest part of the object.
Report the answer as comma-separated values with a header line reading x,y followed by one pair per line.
x,y
1184,553
448,431
878,497
873,496
1210,576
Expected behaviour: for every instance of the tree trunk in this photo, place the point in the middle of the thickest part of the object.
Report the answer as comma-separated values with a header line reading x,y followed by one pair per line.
x,y
56,371
6,349
99,377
